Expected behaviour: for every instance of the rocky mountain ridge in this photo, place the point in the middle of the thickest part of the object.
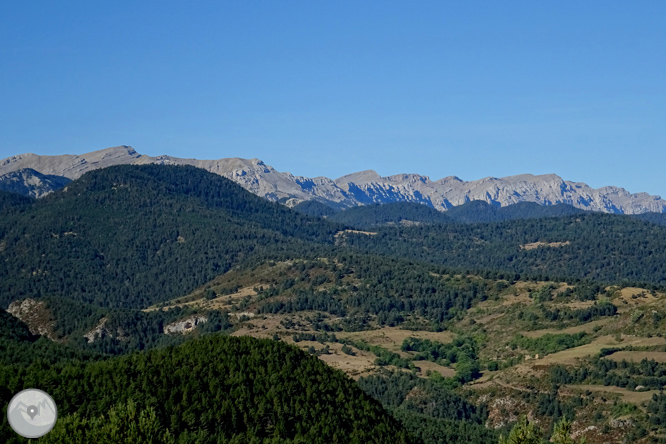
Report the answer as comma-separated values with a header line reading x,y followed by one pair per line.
x,y
351,190
31,183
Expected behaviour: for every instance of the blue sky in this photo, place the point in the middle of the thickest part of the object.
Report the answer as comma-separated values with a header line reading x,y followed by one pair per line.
x,y
472,89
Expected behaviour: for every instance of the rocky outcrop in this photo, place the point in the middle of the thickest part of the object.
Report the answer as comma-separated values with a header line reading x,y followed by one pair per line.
x,y
184,325
99,332
35,315
106,329
363,187
31,183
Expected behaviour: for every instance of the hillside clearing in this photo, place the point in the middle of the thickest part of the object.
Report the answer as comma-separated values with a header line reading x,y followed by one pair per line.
x,y
637,356
391,338
588,328
572,355
629,396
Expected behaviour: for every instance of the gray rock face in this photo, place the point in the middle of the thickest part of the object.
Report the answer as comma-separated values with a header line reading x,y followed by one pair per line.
x,y
31,183
100,331
36,316
70,165
104,330
363,187
184,325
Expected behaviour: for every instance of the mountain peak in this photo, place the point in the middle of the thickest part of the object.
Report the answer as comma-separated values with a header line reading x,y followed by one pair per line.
x,y
360,188
359,177
534,178
449,179
120,149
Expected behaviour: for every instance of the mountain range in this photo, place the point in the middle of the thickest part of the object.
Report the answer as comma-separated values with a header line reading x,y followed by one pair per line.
x,y
445,318
36,175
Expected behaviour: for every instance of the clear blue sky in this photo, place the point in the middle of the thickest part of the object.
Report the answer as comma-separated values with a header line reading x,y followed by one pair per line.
x,y
466,88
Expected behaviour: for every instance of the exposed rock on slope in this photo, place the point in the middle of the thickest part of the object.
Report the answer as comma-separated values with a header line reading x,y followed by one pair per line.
x,y
362,187
100,331
31,183
35,315
70,165
185,325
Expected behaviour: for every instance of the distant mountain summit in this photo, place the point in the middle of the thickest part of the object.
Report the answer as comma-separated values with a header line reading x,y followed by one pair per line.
x,y
355,189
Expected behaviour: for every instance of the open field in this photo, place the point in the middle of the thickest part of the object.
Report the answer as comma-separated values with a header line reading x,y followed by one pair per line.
x,y
627,395
486,377
588,327
572,355
490,318
424,366
576,305
218,303
362,364
391,338
518,293
637,356
637,296
521,298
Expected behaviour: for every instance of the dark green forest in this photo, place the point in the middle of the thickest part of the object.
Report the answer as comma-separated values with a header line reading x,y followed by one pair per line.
x,y
479,211
602,247
19,347
655,218
428,410
262,391
373,215
314,208
215,389
130,236
647,373
12,202
392,289
476,211
368,216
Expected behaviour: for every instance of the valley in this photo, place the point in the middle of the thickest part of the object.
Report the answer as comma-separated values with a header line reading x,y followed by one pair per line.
x,y
451,329
493,364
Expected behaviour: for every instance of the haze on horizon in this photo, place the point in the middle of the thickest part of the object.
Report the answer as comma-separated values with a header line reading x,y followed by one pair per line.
x,y
471,90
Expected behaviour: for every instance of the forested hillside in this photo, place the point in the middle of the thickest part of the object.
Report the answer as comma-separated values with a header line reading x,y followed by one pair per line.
x,y
479,211
607,248
314,208
476,211
429,411
129,236
410,213
368,216
655,218
19,347
212,390
12,202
